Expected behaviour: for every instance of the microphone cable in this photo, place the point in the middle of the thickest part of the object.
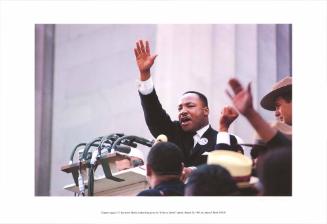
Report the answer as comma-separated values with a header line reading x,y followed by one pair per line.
x,y
88,146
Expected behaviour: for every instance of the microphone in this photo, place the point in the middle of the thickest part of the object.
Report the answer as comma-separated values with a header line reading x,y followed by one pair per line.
x,y
129,143
143,141
160,138
123,149
132,139
109,139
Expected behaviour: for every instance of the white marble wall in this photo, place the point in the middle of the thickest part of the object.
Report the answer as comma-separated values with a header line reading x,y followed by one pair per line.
x,y
95,89
204,57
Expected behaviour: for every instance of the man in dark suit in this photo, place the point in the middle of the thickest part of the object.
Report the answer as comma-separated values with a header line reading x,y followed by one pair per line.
x,y
192,132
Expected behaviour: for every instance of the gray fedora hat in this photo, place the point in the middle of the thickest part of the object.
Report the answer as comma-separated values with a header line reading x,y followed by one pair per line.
x,y
278,89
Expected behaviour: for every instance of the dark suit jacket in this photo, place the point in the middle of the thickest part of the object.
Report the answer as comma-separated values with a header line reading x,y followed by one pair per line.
x,y
167,188
159,122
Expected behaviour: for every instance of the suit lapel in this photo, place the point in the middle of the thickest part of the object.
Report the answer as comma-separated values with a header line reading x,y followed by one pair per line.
x,y
211,136
187,144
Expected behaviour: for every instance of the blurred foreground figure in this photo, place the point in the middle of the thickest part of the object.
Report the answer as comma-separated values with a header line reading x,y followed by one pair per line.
x,y
133,159
275,172
211,180
164,169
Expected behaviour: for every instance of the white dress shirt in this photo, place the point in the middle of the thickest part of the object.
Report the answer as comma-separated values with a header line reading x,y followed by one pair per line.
x,y
146,87
199,134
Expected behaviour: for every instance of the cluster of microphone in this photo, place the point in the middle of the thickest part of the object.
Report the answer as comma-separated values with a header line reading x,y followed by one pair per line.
x,y
116,142
94,150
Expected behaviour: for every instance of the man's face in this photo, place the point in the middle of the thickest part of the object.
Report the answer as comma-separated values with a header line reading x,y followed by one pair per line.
x,y
193,115
283,110
123,164
128,163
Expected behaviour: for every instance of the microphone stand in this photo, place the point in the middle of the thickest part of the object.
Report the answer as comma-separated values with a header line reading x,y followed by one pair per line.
x,y
91,161
104,163
76,147
75,173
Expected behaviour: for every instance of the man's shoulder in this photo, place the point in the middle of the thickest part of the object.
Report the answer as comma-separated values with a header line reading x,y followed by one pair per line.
x,y
149,192
167,188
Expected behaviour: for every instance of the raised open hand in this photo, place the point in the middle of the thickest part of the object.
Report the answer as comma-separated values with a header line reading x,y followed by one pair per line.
x,y
144,59
227,116
242,99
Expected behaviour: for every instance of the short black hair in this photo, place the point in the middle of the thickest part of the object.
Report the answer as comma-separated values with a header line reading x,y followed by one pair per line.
x,y
166,158
274,169
211,180
202,97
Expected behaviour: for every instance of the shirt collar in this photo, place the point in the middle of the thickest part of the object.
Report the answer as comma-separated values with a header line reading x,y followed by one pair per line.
x,y
201,131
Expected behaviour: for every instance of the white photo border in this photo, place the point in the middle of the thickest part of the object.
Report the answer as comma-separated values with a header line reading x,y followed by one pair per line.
x,y
17,30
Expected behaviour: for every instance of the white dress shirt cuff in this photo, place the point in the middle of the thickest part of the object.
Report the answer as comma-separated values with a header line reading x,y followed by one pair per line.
x,y
223,137
146,87
192,168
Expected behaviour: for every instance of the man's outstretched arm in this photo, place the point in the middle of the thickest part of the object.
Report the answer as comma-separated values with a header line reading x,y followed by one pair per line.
x,y
157,120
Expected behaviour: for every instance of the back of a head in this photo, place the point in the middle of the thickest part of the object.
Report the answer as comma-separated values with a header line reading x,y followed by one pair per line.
x,y
211,180
165,158
275,172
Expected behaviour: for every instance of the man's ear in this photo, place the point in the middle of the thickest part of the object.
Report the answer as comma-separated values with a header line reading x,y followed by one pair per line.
x,y
148,170
206,111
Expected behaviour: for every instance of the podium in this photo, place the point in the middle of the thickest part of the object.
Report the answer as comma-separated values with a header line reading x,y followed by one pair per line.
x,y
127,182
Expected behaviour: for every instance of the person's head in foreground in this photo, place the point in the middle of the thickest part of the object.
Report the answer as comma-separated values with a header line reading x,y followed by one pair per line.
x,y
133,159
275,172
279,99
240,168
163,169
211,180
193,111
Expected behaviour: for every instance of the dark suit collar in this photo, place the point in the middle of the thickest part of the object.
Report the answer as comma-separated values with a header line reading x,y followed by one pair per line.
x,y
210,131
202,130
